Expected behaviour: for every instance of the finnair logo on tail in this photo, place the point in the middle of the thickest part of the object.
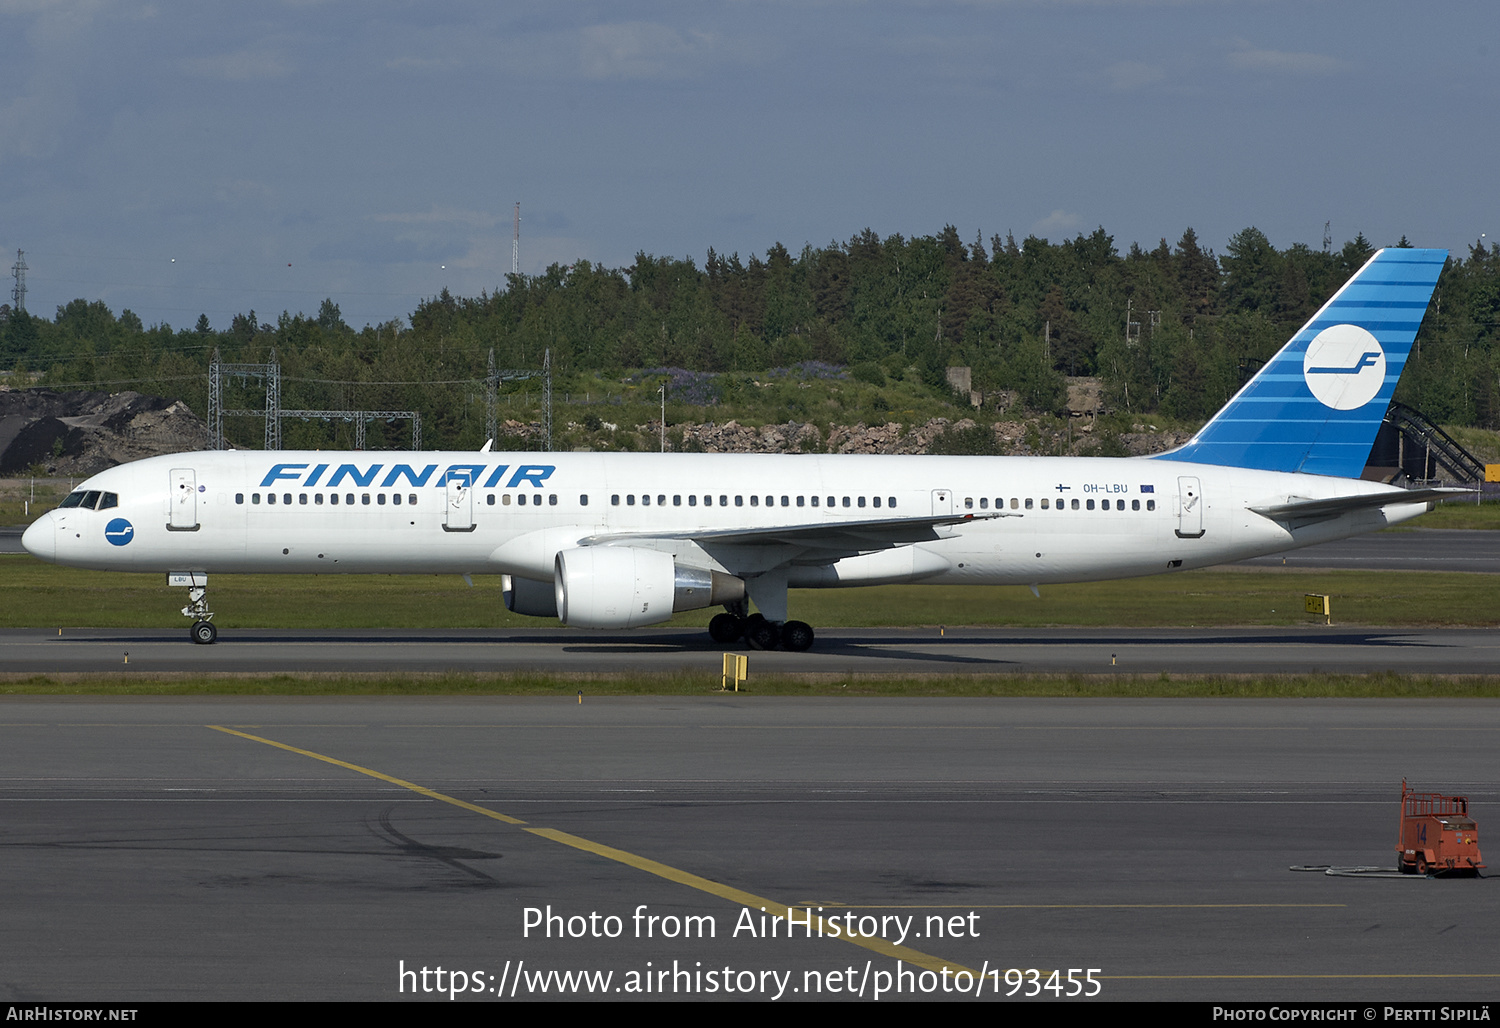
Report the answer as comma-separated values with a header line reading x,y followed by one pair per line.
x,y
1344,367
119,532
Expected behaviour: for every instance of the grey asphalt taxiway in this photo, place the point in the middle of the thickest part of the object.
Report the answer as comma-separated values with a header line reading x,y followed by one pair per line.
x,y
312,849
906,651
306,849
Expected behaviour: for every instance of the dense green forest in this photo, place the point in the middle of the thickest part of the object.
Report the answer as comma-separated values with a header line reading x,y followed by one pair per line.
x,y
1171,330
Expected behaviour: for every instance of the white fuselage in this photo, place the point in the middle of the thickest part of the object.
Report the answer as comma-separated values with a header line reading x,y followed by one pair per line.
x,y
1063,519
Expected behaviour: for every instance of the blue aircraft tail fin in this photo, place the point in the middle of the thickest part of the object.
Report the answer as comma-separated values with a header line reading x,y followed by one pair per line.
x,y
1315,407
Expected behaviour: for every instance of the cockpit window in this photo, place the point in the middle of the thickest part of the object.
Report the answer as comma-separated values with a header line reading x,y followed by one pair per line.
x,y
72,500
108,500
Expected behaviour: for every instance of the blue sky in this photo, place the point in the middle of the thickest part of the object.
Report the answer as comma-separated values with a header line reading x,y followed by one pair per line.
x,y
178,158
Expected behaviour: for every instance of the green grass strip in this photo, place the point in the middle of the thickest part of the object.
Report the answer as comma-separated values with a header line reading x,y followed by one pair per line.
x,y
46,596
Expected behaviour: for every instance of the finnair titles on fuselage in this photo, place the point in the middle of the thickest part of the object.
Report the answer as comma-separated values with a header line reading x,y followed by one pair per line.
x,y
623,540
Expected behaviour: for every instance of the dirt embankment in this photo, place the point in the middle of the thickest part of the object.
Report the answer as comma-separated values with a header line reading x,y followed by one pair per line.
x,y
78,434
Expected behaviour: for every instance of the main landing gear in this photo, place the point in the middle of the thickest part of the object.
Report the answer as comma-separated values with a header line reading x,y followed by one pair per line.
x,y
767,629
728,628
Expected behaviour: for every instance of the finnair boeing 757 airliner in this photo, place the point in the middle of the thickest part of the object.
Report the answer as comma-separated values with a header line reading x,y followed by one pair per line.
x,y
623,540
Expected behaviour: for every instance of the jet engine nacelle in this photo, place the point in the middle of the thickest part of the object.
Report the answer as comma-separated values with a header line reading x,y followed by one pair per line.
x,y
628,586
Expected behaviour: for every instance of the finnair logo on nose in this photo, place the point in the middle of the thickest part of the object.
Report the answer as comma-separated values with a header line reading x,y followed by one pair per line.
x,y
119,532
1344,367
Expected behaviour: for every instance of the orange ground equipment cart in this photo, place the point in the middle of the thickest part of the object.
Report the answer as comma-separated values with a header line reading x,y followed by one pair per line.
x,y
1436,835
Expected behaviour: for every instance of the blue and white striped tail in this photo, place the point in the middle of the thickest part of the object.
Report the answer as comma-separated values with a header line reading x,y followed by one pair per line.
x,y
1316,406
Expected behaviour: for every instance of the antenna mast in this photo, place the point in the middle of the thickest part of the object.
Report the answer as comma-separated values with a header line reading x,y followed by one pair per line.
x,y
515,244
18,269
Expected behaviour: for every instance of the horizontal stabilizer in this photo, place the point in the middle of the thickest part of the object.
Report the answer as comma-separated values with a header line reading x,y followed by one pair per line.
x,y
1336,505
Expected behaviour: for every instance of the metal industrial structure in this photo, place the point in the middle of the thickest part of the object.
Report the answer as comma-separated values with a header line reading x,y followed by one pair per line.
x,y
274,414
270,374
494,376
18,272
1412,442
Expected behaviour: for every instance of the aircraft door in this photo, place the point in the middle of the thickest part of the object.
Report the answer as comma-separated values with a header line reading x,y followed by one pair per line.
x,y
459,515
182,512
942,501
1189,509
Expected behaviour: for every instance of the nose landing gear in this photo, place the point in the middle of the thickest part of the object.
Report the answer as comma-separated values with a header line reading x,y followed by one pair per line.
x,y
203,631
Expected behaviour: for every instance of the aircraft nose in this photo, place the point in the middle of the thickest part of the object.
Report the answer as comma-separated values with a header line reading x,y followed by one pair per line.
x,y
40,539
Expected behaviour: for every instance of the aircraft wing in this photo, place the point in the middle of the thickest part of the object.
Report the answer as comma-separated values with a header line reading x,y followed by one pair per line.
x,y
1336,505
831,537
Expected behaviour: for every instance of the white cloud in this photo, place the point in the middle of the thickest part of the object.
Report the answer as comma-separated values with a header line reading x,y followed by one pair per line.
x,y
1127,75
245,192
441,216
641,50
241,66
1285,62
1058,222
422,64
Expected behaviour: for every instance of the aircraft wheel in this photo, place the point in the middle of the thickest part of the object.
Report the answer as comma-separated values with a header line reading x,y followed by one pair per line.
x,y
725,628
204,633
762,634
796,636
